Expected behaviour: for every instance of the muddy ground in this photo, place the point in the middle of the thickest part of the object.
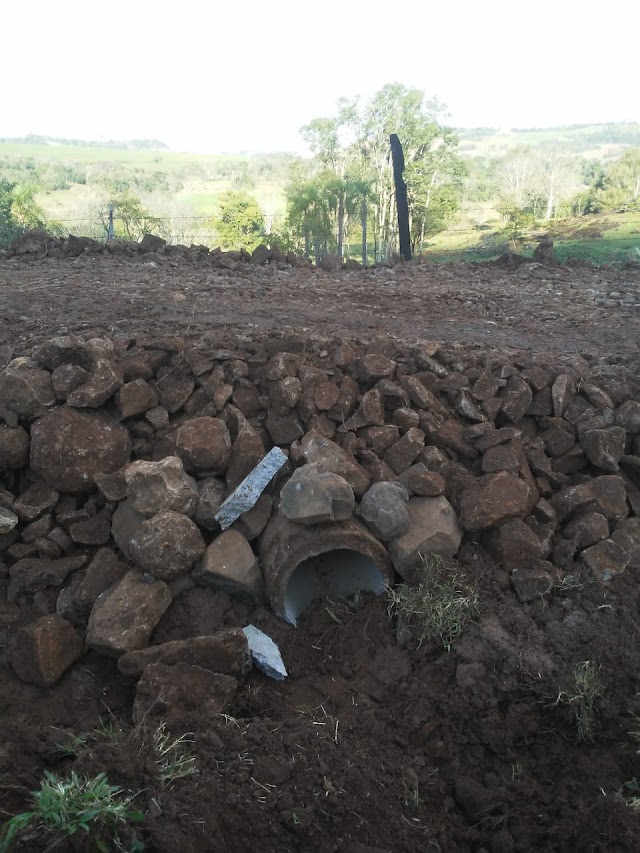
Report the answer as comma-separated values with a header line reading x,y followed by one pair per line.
x,y
372,744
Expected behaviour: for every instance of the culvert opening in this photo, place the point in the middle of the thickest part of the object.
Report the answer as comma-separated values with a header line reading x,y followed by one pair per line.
x,y
339,573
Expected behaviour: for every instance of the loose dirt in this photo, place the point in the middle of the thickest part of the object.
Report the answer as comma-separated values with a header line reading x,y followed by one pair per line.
x,y
373,744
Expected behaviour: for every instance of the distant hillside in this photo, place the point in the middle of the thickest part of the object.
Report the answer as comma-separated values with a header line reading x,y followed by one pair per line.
x,y
35,139
603,141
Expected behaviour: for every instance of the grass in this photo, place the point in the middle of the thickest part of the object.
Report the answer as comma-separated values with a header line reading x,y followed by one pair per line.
x,y
440,606
63,807
586,686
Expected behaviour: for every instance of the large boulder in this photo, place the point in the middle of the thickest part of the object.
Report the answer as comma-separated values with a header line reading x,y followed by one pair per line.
x,y
326,455
204,444
312,497
383,509
124,617
229,564
433,529
225,651
167,545
69,447
154,487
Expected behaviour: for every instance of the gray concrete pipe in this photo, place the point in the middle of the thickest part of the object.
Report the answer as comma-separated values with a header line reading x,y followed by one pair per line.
x,y
302,563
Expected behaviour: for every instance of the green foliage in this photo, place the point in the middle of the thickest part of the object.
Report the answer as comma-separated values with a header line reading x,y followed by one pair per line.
x,y
584,688
18,211
439,607
239,222
63,807
132,220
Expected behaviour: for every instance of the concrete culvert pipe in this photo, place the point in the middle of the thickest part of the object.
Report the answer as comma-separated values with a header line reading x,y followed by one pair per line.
x,y
302,564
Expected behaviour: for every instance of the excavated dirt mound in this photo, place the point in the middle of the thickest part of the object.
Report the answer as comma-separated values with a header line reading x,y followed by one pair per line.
x,y
373,743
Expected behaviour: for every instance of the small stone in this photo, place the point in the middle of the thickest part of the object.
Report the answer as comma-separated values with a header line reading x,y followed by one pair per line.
x,y
284,429
531,583
167,545
605,494
26,389
170,693
124,617
315,497
264,653
229,564
43,651
66,378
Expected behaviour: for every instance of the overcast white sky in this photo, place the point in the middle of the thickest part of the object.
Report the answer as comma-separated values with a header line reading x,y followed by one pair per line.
x,y
246,75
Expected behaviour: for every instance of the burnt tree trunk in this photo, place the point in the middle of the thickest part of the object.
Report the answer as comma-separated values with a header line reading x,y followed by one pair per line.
x,y
402,204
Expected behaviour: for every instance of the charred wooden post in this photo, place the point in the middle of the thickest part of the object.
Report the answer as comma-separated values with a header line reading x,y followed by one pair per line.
x,y
402,204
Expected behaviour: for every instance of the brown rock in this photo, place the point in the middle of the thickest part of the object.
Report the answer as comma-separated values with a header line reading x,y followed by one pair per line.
x,y
380,438
229,564
125,525
421,396
516,398
383,508
104,570
136,398
531,583
487,386
374,366
154,487
284,394
204,444
562,390
68,448
405,451
406,419
37,499
628,416
558,437
246,452
326,395
26,389
103,382
606,495
314,497
426,484
587,529
433,529
393,396
167,545
604,447
500,458
66,349
124,617
14,448
514,544
45,649
32,574
492,500
347,401
253,522
169,693
226,652
328,456
284,429
92,531
175,385
494,437
606,559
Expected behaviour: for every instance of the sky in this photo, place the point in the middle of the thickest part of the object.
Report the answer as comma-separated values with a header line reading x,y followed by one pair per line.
x,y
245,76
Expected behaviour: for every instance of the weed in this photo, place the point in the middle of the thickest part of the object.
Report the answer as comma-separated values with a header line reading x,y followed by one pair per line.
x,y
440,606
174,758
63,807
585,688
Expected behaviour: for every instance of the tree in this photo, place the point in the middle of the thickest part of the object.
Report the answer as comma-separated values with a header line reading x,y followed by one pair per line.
x,y
620,185
19,210
132,220
239,222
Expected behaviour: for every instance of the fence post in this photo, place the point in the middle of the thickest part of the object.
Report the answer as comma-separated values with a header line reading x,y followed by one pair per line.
x,y
110,231
402,203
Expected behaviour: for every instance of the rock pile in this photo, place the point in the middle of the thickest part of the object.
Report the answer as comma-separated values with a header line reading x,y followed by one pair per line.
x,y
115,457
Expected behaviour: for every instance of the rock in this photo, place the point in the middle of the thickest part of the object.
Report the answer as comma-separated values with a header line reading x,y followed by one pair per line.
x,y
328,456
204,444
170,693
405,451
31,574
66,378
136,398
8,520
605,559
43,650
531,583
167,545
151,243
421,397
14,448
587,529
211,493
473,798
383,508
247,493
374,366
433,529
246,453
26,389
312,497
226,652
124,617
492,500
125,525
76,246
606,495
154,487
229,564
330,263
514,544
562,390
92,531
500,458
284,429
264,653
628,417
37,499
516,398
558,437
37,529
104,570
175,386
284,394
69,447
61,350
261,254
403,419
253,522
604,447
326,395
466,408
103,382
425,484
